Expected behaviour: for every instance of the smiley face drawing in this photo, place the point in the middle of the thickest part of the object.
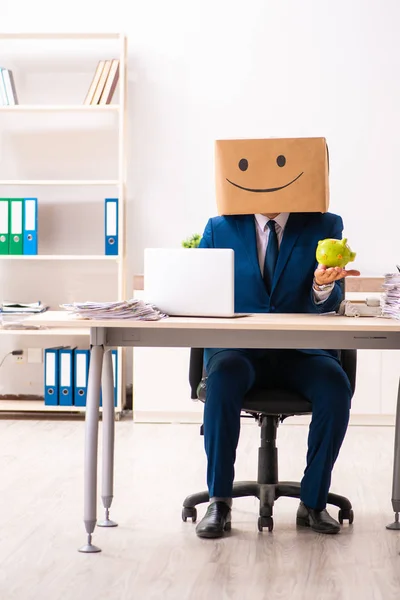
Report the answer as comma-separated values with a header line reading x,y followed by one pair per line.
x,y
280,161
271,175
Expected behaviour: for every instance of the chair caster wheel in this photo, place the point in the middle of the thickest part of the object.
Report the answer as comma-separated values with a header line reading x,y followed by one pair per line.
x,y
347,515
189,512
265,522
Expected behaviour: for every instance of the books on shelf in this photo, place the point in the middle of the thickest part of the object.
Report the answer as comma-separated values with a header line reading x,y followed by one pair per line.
x,y
104,83
8,94
95,82
101,89
111,83
18,226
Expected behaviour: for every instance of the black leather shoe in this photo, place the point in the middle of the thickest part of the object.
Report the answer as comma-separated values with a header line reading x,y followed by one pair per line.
x,y
319,520
216,520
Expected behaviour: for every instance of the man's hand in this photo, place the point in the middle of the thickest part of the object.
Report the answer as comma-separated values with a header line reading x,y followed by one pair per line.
x,y
324,275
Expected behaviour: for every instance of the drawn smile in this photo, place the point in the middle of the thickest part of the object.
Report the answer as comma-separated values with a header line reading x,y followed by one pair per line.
x,y
276,189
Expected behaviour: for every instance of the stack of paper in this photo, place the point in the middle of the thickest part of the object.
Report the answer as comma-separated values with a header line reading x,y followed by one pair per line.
x,y
129,309
17,308
391,296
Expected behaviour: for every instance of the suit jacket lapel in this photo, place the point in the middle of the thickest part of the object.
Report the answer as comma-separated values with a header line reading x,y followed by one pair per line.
x,y
247,231
293,229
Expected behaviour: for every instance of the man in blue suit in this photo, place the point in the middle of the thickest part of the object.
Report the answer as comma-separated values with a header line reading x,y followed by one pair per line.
x,y
275,271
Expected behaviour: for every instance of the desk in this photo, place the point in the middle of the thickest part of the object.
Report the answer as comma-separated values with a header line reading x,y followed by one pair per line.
x,y
254,331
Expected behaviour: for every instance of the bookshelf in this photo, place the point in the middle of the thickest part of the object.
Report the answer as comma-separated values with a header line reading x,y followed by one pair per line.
x,y
118,187
59,257
18,108
71,332
60,36
74,182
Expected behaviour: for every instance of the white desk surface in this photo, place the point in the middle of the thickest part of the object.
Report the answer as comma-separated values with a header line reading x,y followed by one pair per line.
x,y
261,322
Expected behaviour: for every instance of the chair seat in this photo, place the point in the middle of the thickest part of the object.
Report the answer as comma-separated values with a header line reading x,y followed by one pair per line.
x,y
276,402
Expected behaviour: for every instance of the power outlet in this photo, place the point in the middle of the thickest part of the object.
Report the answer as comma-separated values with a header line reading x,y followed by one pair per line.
x,y
20,359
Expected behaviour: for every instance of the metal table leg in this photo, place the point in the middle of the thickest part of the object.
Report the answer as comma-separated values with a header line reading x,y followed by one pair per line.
x,y
108,439
396,469
91,441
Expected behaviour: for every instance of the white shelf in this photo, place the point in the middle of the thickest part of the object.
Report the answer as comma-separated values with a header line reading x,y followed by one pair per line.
x,y
59,257
60,36
118,182
36,406
77,182
60,107
59,331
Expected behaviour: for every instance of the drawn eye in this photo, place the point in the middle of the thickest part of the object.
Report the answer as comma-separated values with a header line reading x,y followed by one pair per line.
x,y
243,164
281,161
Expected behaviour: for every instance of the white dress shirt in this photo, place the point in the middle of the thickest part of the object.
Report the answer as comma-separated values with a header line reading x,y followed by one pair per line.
x,y
262,235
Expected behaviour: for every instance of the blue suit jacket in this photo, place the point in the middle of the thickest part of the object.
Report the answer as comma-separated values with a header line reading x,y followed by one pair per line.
x,y
291,290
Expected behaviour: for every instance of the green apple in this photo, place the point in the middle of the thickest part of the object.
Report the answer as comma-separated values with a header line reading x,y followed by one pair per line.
x,y
334,253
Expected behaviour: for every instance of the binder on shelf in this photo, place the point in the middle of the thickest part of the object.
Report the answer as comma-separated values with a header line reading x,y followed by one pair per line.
x,y
9,86
95,82
102,82
3,93
16,217
111,226
82,360
114,358
30,214
4,226
111,83
51,375
66,371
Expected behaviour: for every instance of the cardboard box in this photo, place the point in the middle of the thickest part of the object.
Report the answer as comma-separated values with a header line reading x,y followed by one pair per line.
x,y
271,176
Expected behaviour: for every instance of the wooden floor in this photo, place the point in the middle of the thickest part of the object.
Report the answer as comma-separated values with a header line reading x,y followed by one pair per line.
x,y
153,554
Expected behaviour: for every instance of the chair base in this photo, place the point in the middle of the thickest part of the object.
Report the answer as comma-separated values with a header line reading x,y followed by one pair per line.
x,y
267,494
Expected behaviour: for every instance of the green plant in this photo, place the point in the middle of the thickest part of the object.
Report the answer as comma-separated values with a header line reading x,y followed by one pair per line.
x,y
192,242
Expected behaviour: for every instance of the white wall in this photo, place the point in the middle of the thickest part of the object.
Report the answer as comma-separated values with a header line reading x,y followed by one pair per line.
x,y
202,70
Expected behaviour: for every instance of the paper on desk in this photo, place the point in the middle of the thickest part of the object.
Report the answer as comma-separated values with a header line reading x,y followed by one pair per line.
x,y
18,308
130,309
390,300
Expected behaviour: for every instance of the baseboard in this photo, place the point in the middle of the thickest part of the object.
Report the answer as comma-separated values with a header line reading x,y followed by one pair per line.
x,y
373,420
197,418
356,420
21,397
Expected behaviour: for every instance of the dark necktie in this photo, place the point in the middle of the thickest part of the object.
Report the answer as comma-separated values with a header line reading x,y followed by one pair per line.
x,y
271,256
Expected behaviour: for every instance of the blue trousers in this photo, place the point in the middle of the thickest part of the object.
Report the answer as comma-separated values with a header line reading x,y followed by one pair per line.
x,y
319,378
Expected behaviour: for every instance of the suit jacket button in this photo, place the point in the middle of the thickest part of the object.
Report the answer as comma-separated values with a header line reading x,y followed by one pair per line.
x,y
272,308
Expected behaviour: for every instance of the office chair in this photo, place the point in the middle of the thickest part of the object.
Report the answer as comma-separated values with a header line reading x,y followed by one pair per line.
x,y
268,408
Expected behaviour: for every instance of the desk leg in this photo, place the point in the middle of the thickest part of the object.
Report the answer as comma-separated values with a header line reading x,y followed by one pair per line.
x,y
396,469
108,438
91,441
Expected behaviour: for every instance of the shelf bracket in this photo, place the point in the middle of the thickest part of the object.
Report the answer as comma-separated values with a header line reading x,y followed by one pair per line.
x,y
98,336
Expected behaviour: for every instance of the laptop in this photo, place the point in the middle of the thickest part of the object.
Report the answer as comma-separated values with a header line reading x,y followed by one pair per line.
x,y
190,282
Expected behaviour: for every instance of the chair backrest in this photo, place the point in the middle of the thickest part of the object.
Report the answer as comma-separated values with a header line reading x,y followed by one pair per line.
x,y
196,368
